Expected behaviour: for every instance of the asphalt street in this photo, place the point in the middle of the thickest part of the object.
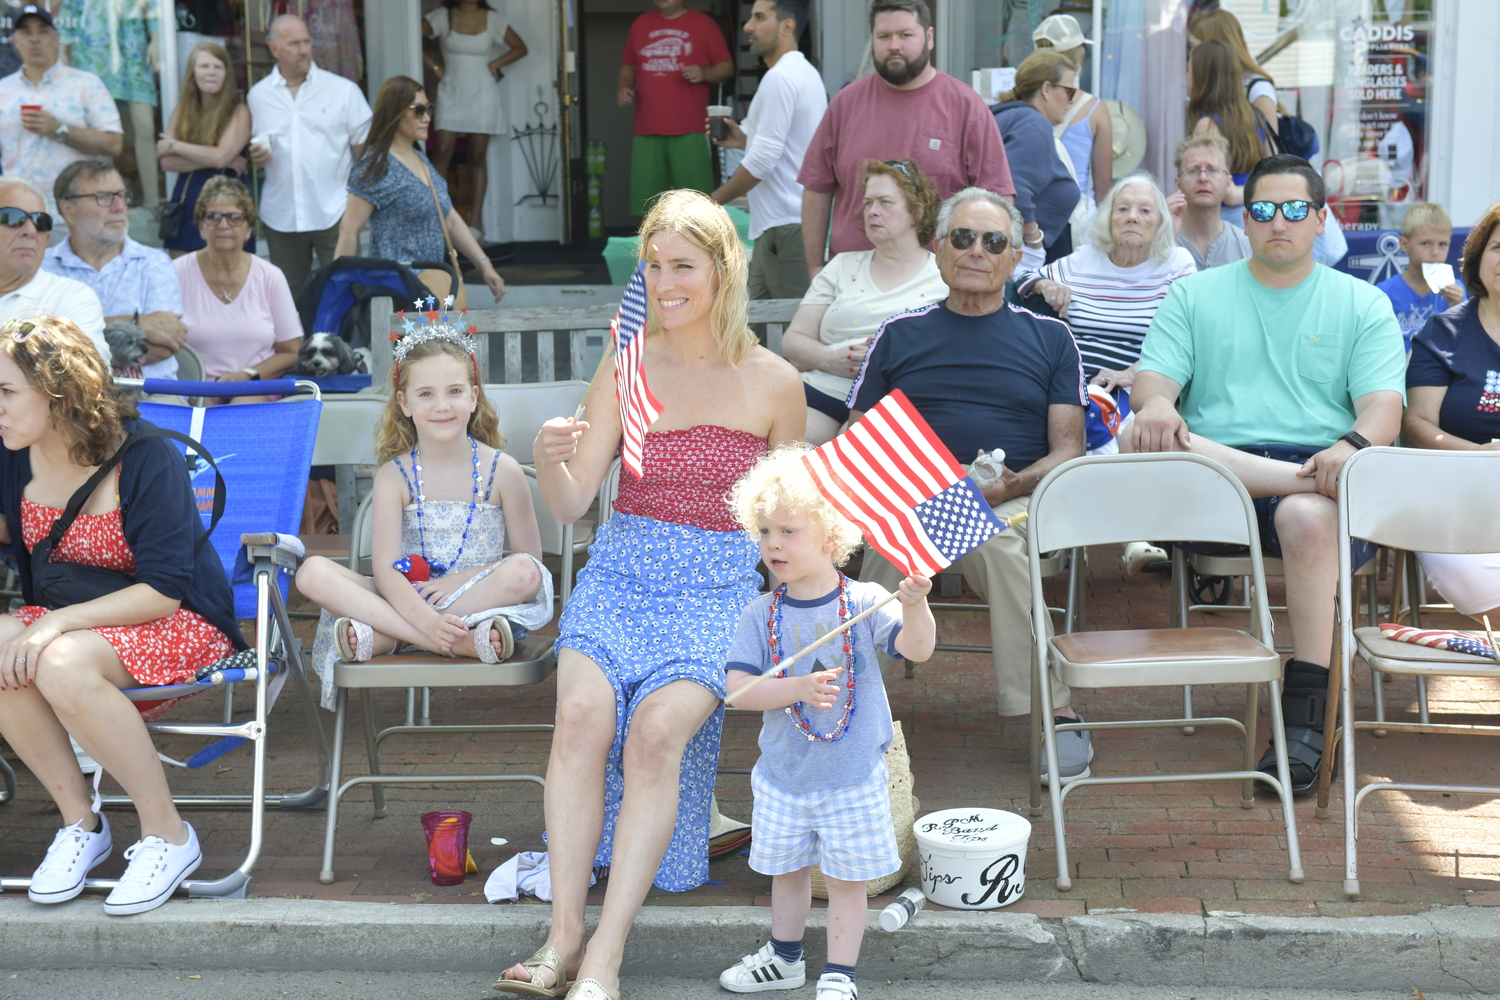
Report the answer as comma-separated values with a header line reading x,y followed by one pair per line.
x,y
131,984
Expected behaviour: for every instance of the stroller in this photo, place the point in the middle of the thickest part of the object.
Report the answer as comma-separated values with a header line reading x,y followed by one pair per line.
x,y
336,299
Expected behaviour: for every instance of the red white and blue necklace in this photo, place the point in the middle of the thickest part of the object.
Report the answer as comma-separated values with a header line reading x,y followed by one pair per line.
x,y
439,569
773,626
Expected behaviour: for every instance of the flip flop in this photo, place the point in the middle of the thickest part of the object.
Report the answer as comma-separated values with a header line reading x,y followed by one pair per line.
x,y
546,957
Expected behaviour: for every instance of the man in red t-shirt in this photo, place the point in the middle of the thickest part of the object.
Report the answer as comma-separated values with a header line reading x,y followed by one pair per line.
x,y
905,110
671,56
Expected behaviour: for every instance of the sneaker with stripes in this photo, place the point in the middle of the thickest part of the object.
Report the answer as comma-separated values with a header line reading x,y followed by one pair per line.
x,y
764,970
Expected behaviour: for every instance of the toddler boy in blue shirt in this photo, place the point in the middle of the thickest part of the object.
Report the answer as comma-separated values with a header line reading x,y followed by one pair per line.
x,y
820,785
1426,234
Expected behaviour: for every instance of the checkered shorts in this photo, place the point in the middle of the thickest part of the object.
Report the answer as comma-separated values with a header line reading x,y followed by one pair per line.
x,y
846,830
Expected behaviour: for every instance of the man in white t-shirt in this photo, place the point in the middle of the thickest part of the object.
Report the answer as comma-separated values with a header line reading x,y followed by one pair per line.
x,y
1203,179
314,122
27,290
784,114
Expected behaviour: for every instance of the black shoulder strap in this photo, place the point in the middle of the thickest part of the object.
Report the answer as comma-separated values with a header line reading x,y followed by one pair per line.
x,y
81,495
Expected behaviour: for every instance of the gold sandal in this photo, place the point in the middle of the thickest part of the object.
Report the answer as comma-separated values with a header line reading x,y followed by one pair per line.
x,y
546,957
590,989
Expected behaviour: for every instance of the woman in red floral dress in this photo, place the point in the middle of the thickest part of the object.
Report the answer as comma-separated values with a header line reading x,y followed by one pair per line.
x,y
62,669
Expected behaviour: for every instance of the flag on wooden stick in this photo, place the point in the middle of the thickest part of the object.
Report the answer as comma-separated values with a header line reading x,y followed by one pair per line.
x,y
891,476
638,408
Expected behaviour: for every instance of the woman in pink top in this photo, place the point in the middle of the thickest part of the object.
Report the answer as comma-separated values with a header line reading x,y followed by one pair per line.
x,y
237,308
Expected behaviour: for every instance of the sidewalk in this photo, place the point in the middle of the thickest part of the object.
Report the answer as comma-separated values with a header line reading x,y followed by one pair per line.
x,y
1180,849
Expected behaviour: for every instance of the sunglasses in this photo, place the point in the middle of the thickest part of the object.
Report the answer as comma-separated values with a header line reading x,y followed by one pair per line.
x,y
103,199
219,218
1291,211
1072,92
424,110
15,218
19,329
963,239
905,167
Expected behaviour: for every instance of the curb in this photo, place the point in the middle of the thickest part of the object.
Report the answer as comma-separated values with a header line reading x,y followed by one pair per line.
x,y
1450,949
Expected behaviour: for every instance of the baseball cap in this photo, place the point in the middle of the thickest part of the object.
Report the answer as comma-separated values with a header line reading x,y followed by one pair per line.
x,y
1062,31
41,13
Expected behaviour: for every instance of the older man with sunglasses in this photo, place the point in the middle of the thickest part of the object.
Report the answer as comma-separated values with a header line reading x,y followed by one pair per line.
x,y
27,290
1280,369
986,375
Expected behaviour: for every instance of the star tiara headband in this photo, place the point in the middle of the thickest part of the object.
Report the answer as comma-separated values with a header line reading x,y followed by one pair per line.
x,y
431,325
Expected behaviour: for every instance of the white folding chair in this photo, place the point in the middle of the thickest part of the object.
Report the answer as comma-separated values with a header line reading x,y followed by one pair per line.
x,y
346,439
524,407
1181,496
1419,501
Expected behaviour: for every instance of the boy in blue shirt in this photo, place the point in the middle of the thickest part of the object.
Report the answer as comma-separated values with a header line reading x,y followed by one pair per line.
x,y
1426,234
820,785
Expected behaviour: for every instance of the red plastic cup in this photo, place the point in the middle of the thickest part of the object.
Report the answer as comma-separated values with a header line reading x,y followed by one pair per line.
x,y
447,845
30,107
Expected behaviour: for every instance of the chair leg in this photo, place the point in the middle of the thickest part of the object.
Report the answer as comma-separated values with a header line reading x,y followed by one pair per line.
x,y
1252,714
9,777
1331,734
367,710
426,719
1179,602
1187,709
411,706
1036,750
1041,701
335,778
1344,661
229,704
1284,775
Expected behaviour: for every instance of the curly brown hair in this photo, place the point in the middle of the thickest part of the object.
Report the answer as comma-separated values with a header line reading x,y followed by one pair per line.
x,y
60,361
922,199
397,433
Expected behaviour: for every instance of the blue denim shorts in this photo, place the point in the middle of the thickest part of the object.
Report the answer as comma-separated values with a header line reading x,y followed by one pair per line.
x,y
1360,551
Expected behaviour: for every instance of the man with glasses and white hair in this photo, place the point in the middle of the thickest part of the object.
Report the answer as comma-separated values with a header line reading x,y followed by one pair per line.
x,y
986,374
27,290
1279,368
1203,180
133,282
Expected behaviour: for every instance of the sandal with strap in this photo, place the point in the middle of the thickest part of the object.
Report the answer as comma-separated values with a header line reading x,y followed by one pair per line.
x,y
484,646
590,989
364,640
546,957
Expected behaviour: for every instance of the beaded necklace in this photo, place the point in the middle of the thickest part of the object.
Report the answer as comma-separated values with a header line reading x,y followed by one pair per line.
x,y
441,569
773,626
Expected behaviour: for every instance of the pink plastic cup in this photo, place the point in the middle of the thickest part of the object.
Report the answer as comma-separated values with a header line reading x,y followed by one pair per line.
x,y
447,845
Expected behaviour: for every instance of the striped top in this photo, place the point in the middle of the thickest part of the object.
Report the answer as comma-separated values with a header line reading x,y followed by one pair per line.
x,y
1112,306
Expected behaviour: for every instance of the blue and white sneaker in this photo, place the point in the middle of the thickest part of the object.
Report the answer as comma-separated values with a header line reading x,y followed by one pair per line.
x,y
1075,751
764,970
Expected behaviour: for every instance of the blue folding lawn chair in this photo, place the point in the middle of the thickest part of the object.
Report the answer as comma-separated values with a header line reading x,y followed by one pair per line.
x,y
263,452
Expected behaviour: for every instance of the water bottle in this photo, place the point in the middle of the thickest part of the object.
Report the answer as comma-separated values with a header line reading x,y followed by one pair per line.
x,y
895,916
985,470
596,221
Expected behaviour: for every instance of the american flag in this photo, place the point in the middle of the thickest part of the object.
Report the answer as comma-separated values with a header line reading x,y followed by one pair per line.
x,y
1439,638
891,476
638,408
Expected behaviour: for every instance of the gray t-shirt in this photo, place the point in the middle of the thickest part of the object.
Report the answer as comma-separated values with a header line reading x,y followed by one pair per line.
x,y
788,757
1232,245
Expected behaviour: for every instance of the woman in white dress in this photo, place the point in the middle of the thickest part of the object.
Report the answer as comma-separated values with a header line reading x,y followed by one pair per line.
x,y
476,41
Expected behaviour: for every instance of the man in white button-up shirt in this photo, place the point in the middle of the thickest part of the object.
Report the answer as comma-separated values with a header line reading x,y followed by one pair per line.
x,y
785,112
313,123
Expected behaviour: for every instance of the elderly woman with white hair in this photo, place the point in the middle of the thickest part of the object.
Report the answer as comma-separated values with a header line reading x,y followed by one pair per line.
x,y
1109,290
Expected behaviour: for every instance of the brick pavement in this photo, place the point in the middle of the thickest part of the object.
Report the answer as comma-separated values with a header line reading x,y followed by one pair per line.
x,y
1179,848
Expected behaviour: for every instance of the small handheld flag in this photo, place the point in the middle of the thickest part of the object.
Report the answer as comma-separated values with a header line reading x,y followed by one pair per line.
x,y
638,408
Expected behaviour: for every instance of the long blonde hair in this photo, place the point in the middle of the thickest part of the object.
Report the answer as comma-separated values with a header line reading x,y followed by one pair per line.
x,y
195,123
698,219
397,434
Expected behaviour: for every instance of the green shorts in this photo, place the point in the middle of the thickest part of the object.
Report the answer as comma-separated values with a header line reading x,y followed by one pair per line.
x,y
662,162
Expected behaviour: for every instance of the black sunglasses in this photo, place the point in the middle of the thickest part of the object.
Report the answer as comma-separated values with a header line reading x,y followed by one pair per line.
x,y
905,167
1291,211
424,110
15,218
963,239
1072,92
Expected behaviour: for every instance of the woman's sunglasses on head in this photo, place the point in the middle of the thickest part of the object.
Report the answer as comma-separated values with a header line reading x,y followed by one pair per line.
x,y
1291,211
15,218
963,239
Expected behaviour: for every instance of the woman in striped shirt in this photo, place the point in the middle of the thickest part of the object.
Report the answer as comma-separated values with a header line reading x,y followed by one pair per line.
x,y
1108,291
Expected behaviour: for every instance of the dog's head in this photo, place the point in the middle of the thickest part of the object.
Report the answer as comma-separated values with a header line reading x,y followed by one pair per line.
x,y
325,354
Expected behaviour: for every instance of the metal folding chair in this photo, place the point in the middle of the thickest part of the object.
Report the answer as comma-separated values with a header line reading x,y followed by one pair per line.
x,y
1181,496
1417,501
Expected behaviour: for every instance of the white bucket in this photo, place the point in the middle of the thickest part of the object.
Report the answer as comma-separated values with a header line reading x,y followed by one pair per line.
x,y
973,859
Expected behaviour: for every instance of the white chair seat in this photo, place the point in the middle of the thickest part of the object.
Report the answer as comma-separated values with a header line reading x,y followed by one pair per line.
x,y
531,663
1163,656
1392,657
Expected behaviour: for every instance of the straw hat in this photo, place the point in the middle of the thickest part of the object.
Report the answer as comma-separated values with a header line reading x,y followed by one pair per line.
x,y
1129,137
1062,31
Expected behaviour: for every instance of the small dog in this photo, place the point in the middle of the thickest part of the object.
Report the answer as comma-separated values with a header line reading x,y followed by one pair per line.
x,y
327,354
127,344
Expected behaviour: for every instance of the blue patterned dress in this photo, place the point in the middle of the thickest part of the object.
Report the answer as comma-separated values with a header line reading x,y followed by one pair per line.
x,y
659,601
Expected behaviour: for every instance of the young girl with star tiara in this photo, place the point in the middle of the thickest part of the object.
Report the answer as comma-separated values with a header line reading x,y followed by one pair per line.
x,y
820,785
445,500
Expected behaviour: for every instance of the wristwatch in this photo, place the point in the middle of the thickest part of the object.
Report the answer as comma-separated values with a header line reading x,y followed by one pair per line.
x,y
254,375
61,135
1358,440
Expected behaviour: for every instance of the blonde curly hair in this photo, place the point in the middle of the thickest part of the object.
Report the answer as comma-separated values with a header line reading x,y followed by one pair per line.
x,y
396,434
60,361
780,479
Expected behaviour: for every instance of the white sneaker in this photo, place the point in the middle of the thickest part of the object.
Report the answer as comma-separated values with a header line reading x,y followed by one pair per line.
x,y
1139,555
156,869
74,852
764,971
836,986
86,764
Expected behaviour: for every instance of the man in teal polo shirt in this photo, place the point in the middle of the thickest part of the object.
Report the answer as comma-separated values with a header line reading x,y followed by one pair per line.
x,y
1280,369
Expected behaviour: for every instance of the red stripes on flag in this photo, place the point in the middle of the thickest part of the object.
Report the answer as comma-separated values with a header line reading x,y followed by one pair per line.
x,y
639,409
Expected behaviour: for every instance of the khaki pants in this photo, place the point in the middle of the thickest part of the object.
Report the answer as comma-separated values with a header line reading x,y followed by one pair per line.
x,y
998,572
778,268
293,252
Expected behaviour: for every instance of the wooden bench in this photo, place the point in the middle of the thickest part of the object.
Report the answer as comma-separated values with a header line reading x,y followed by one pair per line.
x,y
549,345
